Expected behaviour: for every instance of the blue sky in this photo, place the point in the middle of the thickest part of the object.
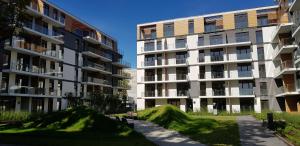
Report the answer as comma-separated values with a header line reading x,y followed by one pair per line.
x,y
119,18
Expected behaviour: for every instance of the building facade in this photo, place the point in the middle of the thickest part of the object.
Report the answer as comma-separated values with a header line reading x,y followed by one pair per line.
x,y
57,55
132,91
225,61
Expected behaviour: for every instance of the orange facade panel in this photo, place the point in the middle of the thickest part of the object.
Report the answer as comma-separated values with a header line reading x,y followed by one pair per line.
x,y
199,25
181,27
160,30
228,21
252,18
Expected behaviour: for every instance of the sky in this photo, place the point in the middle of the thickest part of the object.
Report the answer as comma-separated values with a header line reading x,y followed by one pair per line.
x,y
119,18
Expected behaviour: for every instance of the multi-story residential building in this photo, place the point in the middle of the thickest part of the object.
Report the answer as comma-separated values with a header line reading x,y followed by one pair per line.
x,y
57,55
227,61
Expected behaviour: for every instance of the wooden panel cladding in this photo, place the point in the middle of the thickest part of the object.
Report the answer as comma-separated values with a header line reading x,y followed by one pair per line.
x,y
252,18
288,82
159,30
199,25
292,104
181,27
40,6
228,21
285,57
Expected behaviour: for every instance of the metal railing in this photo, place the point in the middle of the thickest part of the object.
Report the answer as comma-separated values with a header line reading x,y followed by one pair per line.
x,y
96,66
97,80
218,92
181,61
123,62
149,63
201,59
182,93
27,90
149,78
181,76
287,88
98,52
246,91
245,73
123,74
202,92
217,74
217,58
202,75
149,93
244,56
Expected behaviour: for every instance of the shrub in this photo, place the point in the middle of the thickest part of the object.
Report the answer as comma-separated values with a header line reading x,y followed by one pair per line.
x,y
14,116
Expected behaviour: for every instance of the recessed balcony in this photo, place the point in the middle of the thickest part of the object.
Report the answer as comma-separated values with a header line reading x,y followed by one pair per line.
x,y
91,66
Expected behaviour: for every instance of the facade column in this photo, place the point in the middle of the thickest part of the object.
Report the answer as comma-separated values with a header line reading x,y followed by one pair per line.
x,y
18,104
46,100
257,105
228,105
47,82
30,104
196,104
183,105
210,107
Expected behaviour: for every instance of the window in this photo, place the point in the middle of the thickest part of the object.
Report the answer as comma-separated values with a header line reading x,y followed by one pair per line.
x,y
243,52
217,71
215,39
201,56
168,29
180,42
262,20
46,9
242,37
217,55
246,87
259,37
202,89
260,53
263,89
200,41
191,26
149,46
244,70
158,45
213,23
149,60
202,72
262,70
181,57
159,59
241,20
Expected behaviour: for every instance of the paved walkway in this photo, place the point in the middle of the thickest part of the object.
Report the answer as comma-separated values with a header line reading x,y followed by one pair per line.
x,y
162,136
253,134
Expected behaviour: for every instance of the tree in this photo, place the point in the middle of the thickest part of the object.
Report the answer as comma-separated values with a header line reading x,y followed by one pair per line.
x,y
12,14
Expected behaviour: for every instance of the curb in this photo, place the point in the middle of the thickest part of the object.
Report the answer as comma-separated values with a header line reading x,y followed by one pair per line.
x,y
284,140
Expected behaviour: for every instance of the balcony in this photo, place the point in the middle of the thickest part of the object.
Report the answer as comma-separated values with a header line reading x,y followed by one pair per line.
x,y
218,92
34,49
150,94
149,63
245,73
122,85
96,53
181,77
36,29
122,63
91,38
201,59
26,69
181,44
149,78
97,81
122,74
106,44
286,65
244,56
88,65
217,75
149,47
217,58
181,61
55,20
27,91
182,93
246,91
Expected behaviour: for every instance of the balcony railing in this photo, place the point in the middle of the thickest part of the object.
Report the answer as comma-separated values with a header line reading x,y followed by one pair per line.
x,y
98,52
182,93
97,80
286,64
246,91
243,56
150,94
202,92
218,92
201,59
201,75
37,27
217,74
37,48
181,76
217,58
27,90
33,69
285,41
149,63
287,88
149,78
181,61
245,73
149,47
181,44
123,74
123,62
96,66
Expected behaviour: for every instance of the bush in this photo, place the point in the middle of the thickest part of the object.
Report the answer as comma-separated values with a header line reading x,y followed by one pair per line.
x,y
14,116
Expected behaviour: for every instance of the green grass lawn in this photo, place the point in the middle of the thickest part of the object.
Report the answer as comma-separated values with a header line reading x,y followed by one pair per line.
x,y
75,127
211,130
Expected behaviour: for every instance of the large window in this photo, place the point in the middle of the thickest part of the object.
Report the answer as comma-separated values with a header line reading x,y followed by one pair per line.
x,y
180,42
260,53
246,87
241,20
168,29
243,52
242,37
262,21
263,89
213,23
200,41
244,70
215,39
149,46
259,37
191,26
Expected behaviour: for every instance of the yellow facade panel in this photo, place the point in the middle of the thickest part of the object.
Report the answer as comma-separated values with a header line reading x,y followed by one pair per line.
x,y
252,18
228,21
41,6
199,25
181,27
160,30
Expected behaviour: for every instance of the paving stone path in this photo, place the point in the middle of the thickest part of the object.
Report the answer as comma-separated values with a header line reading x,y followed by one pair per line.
x,y
253,134
162,136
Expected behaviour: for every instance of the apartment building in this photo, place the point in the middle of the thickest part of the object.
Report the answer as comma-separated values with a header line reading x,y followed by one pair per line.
x,y
57,55
225,61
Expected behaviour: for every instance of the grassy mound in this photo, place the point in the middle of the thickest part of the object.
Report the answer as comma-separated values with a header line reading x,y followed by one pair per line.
x,y
209,130
74,127
164,115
